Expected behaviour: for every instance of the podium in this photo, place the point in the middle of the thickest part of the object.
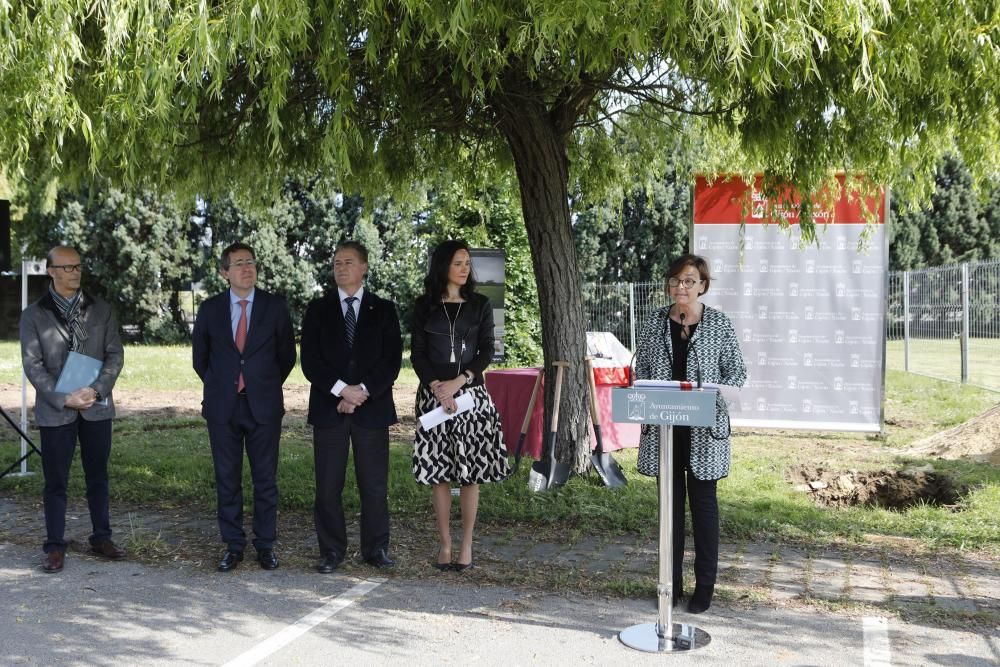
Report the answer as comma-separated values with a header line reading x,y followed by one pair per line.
x,y
666,404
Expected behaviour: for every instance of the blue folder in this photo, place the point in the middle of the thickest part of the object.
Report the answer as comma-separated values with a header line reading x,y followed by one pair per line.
x,y
79,371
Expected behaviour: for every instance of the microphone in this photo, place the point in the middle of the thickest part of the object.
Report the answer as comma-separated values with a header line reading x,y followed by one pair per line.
x,y
697,367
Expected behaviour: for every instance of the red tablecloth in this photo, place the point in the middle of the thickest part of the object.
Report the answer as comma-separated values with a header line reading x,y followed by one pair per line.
x,y
511,390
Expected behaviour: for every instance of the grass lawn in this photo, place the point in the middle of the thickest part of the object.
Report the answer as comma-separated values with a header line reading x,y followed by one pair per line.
x,y
167,463
165,367
942,359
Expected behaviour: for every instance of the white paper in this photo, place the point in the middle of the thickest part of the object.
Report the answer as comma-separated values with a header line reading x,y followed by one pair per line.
x,y
429,420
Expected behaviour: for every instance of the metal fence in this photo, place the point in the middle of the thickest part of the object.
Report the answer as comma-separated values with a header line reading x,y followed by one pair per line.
x,y
621,308
942,322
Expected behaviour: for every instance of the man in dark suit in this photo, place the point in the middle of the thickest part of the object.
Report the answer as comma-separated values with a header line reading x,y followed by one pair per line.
x,y
243,349
351,353
68,320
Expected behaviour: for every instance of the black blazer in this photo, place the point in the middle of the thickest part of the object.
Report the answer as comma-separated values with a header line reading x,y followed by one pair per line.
x,y
268,357
430,340
374,360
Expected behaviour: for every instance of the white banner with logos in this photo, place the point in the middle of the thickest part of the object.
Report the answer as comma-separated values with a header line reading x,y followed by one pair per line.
x,y
811,322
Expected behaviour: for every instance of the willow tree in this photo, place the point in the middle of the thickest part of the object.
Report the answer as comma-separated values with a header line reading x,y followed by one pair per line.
x,y
203,96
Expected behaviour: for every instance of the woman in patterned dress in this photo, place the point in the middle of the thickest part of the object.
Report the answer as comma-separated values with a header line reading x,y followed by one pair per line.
x,y
451,345
688,340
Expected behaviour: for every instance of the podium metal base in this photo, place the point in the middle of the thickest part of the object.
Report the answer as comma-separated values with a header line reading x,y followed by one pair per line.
x,y
643,637
27,473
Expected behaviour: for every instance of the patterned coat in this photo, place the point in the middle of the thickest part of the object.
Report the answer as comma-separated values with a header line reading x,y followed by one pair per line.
x,y
714,350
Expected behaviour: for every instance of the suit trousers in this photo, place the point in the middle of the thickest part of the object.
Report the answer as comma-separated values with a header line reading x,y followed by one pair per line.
x,y
58,447
261,442
702,498
371,468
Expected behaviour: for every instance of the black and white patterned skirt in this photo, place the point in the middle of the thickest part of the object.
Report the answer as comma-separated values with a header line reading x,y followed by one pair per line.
x,y
466,449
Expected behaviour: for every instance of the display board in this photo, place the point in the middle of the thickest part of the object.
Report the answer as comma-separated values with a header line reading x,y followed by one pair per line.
x,y
810,320
488,265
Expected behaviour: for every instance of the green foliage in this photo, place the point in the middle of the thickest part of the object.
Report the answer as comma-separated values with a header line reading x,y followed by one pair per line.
x,y
491,218
205,95
138,250
956,225
636,240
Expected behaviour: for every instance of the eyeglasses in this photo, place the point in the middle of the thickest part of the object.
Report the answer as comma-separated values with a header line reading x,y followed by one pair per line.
x,y
243,262
687,282
68,268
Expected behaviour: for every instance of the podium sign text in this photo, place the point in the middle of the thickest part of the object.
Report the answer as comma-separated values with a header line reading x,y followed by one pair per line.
x,y
669,407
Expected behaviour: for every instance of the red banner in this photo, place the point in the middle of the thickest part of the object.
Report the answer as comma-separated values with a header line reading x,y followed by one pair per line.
x,y
724,203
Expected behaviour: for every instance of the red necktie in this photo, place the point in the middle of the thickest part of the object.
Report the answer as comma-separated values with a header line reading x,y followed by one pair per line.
x,y
241,338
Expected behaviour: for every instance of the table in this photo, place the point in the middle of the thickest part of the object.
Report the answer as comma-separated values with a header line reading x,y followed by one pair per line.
x,y
510,389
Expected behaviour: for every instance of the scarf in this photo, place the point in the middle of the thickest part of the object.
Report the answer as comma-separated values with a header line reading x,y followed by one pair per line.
x,y
70,310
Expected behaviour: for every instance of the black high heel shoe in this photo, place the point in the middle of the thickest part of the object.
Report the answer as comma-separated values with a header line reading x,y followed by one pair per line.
x,y
701,599
462,567
438,565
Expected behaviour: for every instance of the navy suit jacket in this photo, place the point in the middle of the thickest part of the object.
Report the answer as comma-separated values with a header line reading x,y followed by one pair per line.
x,y
374,359
268,357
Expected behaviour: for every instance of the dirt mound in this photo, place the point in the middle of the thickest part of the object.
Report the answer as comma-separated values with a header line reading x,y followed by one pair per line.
x,y
890,489
977,440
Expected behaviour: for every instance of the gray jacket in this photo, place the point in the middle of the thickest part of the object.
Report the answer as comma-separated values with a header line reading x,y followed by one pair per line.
x,y
45,342
713,351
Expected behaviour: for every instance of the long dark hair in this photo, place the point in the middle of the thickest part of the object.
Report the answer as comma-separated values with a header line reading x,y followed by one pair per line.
x,y
436,280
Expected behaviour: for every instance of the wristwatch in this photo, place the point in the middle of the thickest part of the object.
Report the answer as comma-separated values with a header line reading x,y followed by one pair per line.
x,y
97,396
470,377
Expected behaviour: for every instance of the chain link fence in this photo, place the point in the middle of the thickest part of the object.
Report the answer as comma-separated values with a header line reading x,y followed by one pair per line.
x,y
942,322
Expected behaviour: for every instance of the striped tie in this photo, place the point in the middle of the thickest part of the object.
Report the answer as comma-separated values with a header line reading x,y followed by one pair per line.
x,y
350,320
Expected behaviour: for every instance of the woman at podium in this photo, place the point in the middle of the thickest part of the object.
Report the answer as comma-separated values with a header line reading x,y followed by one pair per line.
x,y
688,340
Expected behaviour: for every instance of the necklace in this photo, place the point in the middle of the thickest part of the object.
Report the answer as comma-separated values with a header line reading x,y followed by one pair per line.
x,y
451,328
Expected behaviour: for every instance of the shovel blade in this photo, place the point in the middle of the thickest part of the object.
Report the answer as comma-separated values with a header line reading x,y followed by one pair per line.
x,y
538,477
560,475
608,470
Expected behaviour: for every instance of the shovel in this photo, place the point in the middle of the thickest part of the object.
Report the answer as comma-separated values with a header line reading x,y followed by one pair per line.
x,y
607,468
527,422
549,474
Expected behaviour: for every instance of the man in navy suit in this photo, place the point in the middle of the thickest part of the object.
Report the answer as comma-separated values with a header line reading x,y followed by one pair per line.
x,y
243,349
351,353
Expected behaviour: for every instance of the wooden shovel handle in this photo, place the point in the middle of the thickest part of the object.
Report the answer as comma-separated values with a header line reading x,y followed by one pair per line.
x,y
560,366
595,414
531,402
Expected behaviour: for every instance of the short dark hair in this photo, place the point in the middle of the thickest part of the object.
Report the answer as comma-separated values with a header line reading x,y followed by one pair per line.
x,y
356,246
436,280
235,247
698,262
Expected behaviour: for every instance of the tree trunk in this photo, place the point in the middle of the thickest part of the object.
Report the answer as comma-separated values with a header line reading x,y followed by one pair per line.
x,y
539,152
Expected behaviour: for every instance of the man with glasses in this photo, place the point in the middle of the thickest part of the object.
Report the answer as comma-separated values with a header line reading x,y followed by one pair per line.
x,y
67,319
243,349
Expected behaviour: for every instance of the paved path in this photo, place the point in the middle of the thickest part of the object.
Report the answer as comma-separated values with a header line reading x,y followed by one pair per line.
x,y
754,571
776,603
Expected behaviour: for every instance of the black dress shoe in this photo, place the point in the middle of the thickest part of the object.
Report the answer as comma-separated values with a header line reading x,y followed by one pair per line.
x,y
380,559
701,599
267,559
462,567
230,559
330,562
